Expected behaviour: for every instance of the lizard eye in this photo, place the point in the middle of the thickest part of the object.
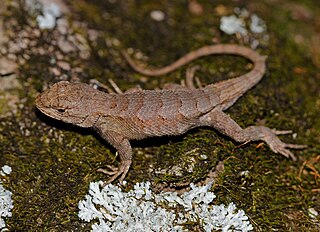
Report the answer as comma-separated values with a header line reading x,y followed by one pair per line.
x,y
61,110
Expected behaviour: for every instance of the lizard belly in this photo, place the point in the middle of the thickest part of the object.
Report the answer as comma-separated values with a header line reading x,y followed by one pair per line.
x,y
135,128
159,127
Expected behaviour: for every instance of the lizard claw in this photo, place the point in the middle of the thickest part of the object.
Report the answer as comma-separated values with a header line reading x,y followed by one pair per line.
x,y
116,172
280,147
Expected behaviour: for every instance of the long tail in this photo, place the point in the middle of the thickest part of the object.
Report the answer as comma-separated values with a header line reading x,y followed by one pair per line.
x,y
230,90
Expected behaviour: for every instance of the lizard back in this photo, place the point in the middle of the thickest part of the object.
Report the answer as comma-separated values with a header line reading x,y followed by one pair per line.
x,y
160,112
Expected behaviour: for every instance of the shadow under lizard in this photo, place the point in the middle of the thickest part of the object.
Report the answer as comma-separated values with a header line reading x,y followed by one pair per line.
x,y
138,114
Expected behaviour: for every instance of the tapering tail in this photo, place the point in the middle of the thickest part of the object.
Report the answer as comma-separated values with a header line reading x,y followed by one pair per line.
x,y
229,90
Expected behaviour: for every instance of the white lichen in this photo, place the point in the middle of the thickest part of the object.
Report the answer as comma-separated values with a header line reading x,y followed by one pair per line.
x,y
157,15
6,203
313,213
232,25
50,11
249,27
141,210
48,19
257,25
5,170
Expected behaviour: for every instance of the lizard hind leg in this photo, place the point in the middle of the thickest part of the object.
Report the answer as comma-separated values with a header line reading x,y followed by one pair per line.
x,y
224,124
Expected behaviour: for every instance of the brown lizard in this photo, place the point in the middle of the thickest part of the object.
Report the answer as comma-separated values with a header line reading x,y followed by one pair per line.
x,y
139,114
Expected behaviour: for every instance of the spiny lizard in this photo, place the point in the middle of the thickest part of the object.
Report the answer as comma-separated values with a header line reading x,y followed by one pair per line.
x,y
139,114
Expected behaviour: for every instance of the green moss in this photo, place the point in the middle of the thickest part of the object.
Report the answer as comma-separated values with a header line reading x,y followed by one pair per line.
x,y
53,162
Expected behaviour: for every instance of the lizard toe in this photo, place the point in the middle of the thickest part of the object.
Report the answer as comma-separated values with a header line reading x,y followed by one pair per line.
x,y
121,171
110,173
287,153
296,146
282,132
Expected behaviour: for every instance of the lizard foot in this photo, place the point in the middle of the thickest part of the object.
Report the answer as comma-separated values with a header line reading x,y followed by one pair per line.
x,y
119,172
280,147
113,171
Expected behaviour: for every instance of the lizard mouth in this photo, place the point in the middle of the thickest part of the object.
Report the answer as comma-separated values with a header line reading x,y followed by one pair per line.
x,y
46,109
39,103
46,101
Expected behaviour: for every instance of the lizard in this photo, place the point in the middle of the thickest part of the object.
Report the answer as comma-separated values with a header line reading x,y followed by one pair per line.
x,y
139,114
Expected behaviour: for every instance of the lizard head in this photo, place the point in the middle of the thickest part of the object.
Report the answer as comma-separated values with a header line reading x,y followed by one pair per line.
x,y
68,102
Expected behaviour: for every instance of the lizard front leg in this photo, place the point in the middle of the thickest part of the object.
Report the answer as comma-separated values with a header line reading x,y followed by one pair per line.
x,y
125,152
226,125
